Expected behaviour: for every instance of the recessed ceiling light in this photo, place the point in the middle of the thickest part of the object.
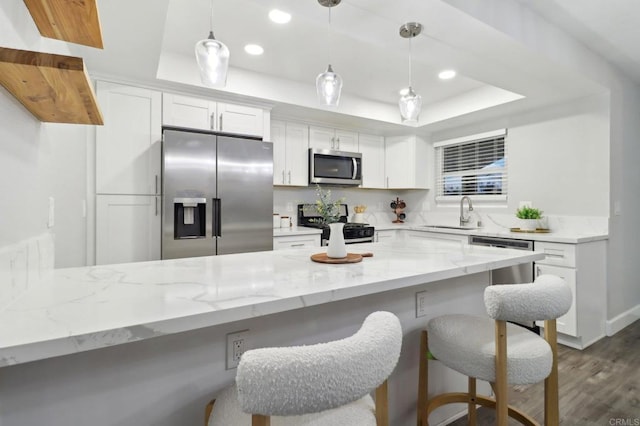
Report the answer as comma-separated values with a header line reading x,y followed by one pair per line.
x,y
279,17
447,74
253,49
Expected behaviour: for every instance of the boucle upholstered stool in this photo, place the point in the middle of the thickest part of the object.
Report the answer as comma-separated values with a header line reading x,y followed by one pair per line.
x,y
500,353
326,384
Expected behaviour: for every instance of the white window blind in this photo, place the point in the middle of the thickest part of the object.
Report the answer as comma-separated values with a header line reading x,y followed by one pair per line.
x,y
476,166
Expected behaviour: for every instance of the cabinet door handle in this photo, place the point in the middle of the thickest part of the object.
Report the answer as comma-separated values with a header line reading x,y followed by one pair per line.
x,y
156,184
156,206
283,181
220,128
289,177
338,143
212,122
333,143
297,245
387,181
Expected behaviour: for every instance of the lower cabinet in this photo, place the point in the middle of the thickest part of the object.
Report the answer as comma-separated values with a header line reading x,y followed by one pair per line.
x,y
568,323
583,267
296,241
127,228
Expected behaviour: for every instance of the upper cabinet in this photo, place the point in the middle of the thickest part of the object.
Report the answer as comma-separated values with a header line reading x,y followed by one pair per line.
x,y
334,139
128,146
373,158
406,162
290,153
204,114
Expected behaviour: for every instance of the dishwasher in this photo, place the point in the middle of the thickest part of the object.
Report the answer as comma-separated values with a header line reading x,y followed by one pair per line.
x,y
517,274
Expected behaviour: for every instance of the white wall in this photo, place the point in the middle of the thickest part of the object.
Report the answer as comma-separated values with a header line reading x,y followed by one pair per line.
x,y
557,158
39,160
528,28
623,297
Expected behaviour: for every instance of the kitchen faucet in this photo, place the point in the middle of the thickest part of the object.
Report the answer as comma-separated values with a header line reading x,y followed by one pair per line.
x,y
465,220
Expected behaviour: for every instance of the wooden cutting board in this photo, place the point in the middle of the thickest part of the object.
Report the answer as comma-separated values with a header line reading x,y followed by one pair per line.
x,y
351,258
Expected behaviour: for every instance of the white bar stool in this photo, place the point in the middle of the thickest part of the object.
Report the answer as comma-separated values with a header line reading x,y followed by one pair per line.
x,y
490,349
322,384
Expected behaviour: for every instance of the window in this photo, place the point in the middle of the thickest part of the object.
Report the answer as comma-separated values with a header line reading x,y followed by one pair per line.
x,y
475,165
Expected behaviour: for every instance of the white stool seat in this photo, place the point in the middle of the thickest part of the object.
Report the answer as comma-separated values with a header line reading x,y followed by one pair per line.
x,y
227,412
466,344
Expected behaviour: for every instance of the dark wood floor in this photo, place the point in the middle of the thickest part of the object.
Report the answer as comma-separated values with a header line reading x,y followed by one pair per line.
x,y
599,386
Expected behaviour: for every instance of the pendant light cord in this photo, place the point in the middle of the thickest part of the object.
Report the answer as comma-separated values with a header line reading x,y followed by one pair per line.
x,y
410,54
329,38
211,18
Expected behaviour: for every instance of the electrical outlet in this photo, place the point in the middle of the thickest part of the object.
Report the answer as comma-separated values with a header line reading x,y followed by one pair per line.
x,y
237,344
421,304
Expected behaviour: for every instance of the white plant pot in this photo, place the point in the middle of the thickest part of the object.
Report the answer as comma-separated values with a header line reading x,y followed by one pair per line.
x,y
528,224
337,248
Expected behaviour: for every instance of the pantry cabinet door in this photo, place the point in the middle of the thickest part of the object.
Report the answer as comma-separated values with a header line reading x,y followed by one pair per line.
x,y
128,146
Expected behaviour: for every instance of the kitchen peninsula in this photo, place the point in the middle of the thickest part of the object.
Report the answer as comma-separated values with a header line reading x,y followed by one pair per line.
x,y
160,327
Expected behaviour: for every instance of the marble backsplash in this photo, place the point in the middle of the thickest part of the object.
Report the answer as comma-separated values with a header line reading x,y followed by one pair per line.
x,y
24,266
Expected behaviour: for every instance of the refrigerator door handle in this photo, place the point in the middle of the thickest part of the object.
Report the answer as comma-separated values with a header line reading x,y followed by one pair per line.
x,y
217,218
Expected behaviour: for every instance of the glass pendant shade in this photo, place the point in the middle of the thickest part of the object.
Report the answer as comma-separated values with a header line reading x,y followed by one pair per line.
x,y
213,60
410,105
329,86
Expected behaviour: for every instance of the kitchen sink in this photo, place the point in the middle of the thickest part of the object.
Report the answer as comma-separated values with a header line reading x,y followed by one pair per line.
x,y
470,228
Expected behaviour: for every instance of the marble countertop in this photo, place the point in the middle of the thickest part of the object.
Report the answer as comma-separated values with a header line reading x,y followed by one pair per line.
x,y
570,237
295,230
78,309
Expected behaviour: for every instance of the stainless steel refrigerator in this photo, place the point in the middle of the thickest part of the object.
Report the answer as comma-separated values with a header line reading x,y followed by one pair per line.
x,y
217,194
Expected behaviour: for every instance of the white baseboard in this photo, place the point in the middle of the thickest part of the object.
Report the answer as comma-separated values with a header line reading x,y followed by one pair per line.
x,y
621,321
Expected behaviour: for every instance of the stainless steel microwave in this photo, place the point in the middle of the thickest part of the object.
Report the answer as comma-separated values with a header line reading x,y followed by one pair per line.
x,y
335,167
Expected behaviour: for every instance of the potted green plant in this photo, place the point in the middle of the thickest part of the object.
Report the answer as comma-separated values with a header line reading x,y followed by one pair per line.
x,y
529,218
328,210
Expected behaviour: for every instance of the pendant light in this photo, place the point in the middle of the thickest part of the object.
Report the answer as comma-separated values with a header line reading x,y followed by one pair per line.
x,y
328,83
213,59
410,102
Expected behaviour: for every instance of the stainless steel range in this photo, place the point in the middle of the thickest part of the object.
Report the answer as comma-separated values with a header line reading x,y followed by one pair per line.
x,y
353,232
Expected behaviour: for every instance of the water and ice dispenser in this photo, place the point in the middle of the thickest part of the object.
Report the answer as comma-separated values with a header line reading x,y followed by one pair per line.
x,y
189,218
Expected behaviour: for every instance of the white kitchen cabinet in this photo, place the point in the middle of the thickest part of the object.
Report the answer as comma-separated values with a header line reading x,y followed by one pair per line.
x,y
568,323
205,114
583,267
127,228
240,119
372,149
406,162
128,146
335,139
290,153
296,241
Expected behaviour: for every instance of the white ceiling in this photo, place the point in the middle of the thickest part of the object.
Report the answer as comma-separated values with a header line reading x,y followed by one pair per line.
x,y
365,48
